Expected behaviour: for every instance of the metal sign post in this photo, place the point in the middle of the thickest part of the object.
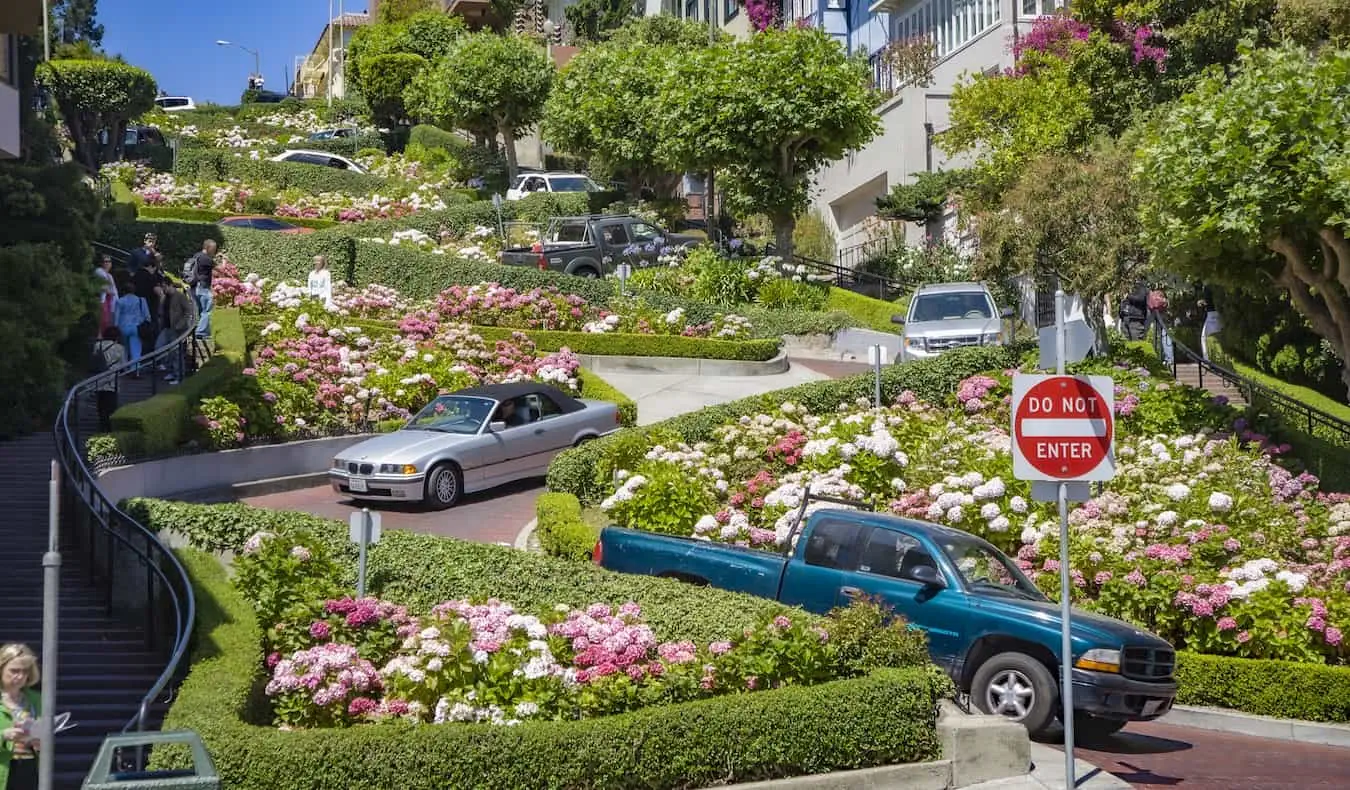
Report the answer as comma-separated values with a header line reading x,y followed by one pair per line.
x,y
625,270
876,355
364,532
501,227
51,585
1062,433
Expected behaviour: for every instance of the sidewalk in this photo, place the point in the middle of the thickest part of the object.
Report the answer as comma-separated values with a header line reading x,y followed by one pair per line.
x,y
1047,773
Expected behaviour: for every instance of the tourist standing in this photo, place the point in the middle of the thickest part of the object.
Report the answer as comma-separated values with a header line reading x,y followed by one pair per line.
x,y
107,354
1134,312
129,314
1157,322
321,281
146,281
199,279
177,320
20,709
1209,308
143,255
108,292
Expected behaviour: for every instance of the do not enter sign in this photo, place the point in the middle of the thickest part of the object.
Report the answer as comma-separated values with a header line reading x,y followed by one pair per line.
x,y
1063,427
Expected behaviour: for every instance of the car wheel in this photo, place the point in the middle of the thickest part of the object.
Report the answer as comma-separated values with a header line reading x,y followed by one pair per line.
x,y
583,440
589,274
1018,687
1089,729
444,486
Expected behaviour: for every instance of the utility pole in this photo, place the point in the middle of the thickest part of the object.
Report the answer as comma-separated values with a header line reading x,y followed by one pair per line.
x,y
46,32
330,53
710,189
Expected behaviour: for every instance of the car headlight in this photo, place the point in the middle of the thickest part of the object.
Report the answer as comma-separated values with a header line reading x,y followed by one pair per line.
x,y
1100,660
919,343
337,463
993,338
398,469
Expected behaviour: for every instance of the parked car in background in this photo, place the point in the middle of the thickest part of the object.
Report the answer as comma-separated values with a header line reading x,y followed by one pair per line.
x,y
175,103
320,158
987,624
265,223
530,183
334,134
593,245
136,142
471,440
950,315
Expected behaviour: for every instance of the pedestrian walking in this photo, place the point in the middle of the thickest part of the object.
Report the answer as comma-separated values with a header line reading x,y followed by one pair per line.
x,y
177,321
107,354
146,282
1158,320
1134,312
1209,308
321,281
107,293
130,314
143,255
197,273
20,709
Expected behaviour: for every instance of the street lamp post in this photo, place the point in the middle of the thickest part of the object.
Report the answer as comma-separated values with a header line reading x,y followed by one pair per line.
x,y
46,32
257,67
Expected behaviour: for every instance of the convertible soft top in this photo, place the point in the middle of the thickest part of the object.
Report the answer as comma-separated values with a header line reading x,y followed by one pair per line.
x,y
566,403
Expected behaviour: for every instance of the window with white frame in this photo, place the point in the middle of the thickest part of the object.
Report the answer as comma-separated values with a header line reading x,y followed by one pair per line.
x,y
802,9
1043,7
950,24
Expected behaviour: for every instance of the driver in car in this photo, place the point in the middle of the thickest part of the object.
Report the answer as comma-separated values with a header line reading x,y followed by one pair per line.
x,y
508,414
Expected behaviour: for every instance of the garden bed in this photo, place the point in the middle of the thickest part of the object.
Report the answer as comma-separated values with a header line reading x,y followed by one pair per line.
x,y
882,716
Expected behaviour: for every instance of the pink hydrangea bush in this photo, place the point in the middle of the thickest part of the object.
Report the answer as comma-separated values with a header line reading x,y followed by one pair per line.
x,y
329,685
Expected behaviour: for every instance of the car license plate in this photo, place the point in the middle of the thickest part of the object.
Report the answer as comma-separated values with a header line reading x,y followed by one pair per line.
x,y
1151,708
357,485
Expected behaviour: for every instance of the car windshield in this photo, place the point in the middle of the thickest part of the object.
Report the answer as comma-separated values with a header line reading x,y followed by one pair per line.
x,y
985,570
452,414
572,184
951,306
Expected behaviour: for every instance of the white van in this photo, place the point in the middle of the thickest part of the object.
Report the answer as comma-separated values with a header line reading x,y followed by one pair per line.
x,y
175,103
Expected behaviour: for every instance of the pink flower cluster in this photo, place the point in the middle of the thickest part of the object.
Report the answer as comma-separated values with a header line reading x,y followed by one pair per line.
x,y
1205,600
1053,35
605,642
788,447
492,304
492,624
973,391
364,612
330,674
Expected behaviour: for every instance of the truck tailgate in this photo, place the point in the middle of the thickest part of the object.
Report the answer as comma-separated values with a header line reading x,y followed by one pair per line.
x,y
744,570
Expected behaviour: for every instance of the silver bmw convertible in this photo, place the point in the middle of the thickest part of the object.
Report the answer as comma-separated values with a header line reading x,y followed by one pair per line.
x,y
471,440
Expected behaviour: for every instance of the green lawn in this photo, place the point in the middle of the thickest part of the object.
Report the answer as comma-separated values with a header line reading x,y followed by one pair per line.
x,y
1303,395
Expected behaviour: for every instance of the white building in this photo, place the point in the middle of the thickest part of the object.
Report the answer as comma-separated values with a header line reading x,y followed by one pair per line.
x,y
17,17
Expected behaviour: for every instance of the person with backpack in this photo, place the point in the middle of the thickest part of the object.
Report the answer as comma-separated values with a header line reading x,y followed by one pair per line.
x,y
197,275
107,354
143,255
177,320
1157,322
1134,312
130,313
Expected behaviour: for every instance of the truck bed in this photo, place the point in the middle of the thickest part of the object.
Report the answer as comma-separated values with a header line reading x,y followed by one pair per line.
x,y
752,571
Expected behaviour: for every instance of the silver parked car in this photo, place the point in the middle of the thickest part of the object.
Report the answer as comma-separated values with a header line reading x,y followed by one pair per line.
x,y
471,440
950,315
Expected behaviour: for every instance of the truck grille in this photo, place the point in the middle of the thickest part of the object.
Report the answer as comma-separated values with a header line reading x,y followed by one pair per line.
x,y
1148,663
364,469
945,343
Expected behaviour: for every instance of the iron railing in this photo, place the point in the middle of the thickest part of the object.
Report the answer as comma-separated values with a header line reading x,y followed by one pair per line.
x,y
138,574
862,282
859,255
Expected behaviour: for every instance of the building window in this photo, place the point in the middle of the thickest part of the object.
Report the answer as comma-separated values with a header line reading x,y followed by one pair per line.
x,y
1043,7
691,9
951,24
803,9
7,61
731,8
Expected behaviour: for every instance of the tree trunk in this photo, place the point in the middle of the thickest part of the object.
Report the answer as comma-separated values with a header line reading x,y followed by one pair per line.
x,y
784,222
1321,295
509,140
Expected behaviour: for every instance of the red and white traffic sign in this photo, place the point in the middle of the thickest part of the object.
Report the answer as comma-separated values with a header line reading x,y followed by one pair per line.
x,y
1063,427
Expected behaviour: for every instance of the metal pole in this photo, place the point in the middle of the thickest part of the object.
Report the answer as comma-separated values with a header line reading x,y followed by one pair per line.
x,y
1065,583
877,370
51,584
46,32
330,53
361,557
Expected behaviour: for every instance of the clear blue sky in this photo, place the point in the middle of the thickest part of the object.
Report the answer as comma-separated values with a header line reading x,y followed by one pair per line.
x,y
175,40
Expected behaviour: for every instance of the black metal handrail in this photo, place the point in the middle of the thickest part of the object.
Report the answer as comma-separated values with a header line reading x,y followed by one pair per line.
x,y
1254,393
869,283
170,607
857,255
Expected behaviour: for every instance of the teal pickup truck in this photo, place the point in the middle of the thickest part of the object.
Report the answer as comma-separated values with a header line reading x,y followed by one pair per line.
x,y
987,624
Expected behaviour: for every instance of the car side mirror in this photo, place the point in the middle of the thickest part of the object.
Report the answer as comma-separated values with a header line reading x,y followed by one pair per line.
x,y
1006,312
497,426
927,575
898,319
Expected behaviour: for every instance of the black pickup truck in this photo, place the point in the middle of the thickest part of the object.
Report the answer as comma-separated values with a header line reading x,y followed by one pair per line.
x,y
593,245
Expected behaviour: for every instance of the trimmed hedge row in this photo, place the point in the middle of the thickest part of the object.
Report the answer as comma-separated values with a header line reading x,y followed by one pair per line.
x,y
641,345
219,164
562,531
873,313
585,471
159,424
210,215
1284,689
883,718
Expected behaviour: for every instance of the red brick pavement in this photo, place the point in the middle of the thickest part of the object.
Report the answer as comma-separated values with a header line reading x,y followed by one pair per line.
x,y
834,368
494,516
1160,755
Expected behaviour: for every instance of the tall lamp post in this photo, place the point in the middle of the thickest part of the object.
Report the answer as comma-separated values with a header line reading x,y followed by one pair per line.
x,y
257,67
46,32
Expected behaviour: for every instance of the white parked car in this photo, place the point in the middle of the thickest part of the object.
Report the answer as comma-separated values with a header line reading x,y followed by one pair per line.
x,y
175,103
529,183
321,158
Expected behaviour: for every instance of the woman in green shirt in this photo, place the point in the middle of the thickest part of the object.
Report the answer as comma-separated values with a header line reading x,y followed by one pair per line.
x,y
20,707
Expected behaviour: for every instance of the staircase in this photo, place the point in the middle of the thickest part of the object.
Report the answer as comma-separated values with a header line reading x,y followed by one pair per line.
x,y
1193,374
105,665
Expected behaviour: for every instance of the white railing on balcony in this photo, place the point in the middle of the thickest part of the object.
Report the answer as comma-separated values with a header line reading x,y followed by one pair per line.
x,y
951,24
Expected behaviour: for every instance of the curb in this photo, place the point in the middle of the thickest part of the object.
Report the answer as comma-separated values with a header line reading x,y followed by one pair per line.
x,y
600,365
935,775
252,488
1269,727
522,541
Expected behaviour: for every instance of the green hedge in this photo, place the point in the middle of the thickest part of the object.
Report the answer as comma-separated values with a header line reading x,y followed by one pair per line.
x,y
424,570
871,313
883,718
596,388
210,215
561,529
342,146
1284,689
162,422
586,471
615,344
218,164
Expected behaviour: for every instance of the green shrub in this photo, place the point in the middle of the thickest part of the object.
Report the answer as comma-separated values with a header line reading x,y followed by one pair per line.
x,y
613,344
345,146
561,530
870,313
596,388
163,422
211,215
428,136
585,471
216,164
1285,689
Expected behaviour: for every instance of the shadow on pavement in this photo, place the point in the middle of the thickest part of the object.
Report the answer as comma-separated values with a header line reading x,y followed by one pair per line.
x,y
478,497
1105,753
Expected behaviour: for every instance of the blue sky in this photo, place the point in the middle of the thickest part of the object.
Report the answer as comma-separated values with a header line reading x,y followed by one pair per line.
x,y
175,40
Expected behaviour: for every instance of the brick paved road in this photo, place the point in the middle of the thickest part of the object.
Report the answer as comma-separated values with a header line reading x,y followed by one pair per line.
x,y
494,516
1158,755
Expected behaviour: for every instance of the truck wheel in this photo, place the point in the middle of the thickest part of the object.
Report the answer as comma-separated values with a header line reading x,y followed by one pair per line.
x,y
1089,729
588,273
1018,687
444,486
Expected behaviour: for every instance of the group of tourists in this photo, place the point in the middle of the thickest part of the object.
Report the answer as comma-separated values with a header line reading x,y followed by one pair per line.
x,y
142,309
1147,309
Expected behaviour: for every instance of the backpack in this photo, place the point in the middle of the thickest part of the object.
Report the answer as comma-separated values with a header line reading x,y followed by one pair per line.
x,y
97,361
190,270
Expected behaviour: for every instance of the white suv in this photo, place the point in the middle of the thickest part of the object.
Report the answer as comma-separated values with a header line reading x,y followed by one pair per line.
x,y
529,183
321,158
175,103
950,315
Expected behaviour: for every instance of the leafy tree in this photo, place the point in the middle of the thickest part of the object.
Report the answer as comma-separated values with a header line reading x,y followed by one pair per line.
x,y
96,96
1247,183
768,112
924,199
384,81
428,35
1311,22
590,20
597,107
395,11
1069,219
486,82
75,21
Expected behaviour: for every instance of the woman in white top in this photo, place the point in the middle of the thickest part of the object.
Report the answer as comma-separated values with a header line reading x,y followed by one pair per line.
x,y
321,281
108,296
